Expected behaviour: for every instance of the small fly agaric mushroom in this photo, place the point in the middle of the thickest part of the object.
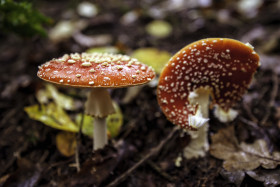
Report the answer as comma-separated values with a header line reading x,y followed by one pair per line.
x,y
97,71
218,67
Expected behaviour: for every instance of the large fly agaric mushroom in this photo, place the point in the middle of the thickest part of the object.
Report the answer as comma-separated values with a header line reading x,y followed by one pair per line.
x,y
219,68
97,71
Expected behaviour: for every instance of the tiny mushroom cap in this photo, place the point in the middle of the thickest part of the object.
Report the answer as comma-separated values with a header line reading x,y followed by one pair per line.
x,y
96,70
223,67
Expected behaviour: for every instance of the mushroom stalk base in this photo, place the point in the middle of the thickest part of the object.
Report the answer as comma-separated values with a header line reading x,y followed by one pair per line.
x,y
100,133
199,144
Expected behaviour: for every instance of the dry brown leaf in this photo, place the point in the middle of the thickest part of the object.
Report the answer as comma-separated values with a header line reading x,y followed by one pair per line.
x,y
268,177
235,177
242,156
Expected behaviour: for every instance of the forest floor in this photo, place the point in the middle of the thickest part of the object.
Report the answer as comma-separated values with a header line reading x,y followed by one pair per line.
x,y
147,151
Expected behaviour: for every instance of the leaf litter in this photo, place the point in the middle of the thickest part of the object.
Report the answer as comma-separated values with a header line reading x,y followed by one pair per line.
x,y
242,156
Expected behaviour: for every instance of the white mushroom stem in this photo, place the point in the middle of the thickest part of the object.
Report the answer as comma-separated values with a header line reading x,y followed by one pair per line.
x,y
99,133
99,105
199,144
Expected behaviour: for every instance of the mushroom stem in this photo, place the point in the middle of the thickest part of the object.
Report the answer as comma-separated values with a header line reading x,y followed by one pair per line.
x,y
203,102
99,105
199,144
100,133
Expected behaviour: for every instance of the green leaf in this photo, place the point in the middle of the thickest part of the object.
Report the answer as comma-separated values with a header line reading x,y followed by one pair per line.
x,y
114,122
52,115
87,127
22,19
152,57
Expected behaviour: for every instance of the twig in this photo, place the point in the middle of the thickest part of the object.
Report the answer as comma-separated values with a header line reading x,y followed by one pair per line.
x,y
248,122
249,112
78,139
130,126
273,96
152,152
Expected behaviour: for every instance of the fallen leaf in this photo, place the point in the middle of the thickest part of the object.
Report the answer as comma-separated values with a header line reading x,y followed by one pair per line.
x,y
87,9
66,143
51,93
242,156
152,57
268,177
63,30
159,28
235,177
52,115
105,49
114,122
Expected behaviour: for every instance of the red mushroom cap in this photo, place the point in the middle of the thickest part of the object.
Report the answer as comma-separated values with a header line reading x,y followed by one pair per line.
x,y
223,67
96,70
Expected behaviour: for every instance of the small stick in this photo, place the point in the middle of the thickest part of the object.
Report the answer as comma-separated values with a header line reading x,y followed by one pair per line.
x,y
152,152
249,112
78,139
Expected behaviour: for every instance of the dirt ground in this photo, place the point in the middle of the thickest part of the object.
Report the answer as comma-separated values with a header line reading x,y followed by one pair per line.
x,y
147,147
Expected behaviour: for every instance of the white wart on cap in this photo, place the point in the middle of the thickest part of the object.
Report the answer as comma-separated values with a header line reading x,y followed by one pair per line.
x,y
221,66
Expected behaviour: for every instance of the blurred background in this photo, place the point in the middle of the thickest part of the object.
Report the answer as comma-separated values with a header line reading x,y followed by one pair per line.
x,y
42,142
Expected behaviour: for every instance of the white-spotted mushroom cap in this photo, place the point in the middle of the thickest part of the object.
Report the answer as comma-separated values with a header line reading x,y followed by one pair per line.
x,y
96,70
221,66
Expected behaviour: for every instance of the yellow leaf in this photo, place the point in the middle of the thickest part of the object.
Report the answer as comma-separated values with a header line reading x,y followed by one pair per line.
x,y
159,28
152,57
66,143
51,92
105,49
114,122
51,115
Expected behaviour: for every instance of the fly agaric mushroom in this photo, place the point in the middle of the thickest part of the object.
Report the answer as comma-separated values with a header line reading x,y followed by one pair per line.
x,y
97,71
218,67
